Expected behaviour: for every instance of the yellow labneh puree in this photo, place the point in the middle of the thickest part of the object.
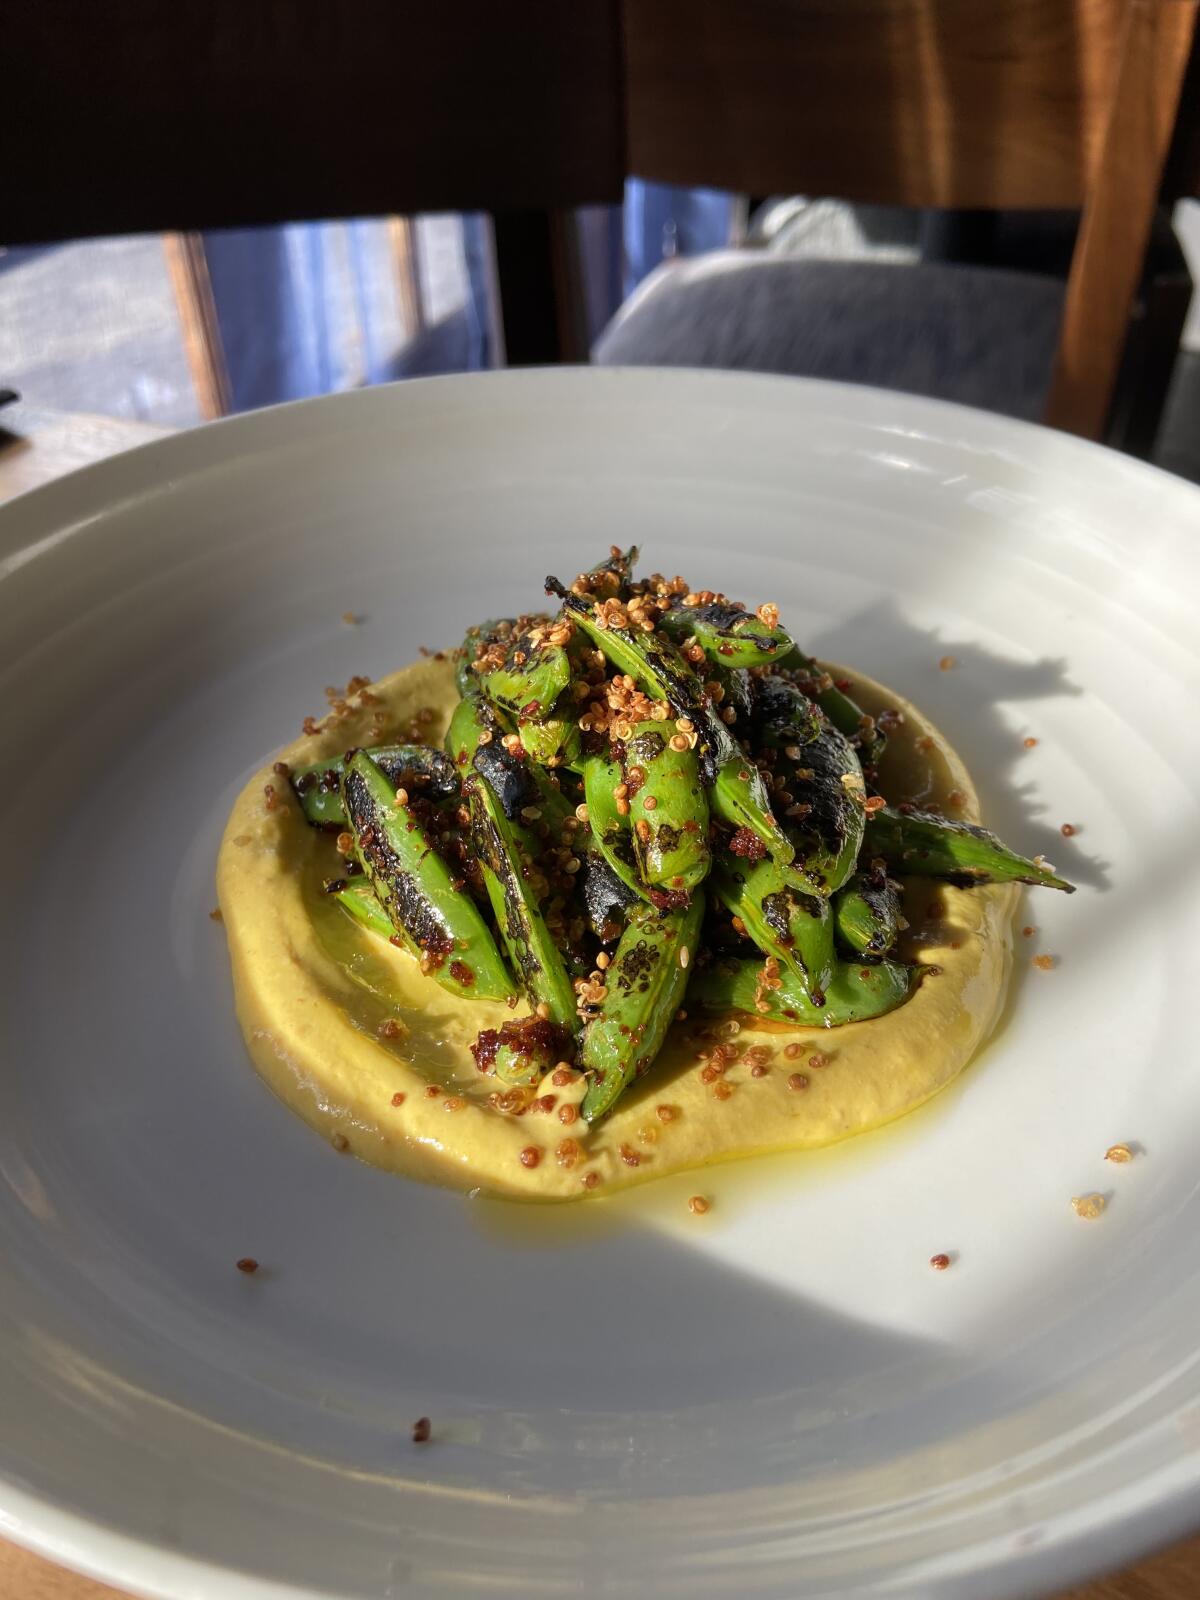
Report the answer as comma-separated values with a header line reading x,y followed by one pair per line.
x,y
315,992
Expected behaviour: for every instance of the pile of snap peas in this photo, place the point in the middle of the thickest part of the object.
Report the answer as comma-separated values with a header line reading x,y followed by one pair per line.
x,y
647,798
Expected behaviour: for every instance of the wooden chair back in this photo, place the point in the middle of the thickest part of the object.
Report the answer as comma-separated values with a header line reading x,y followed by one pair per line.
x,y
144,116
940,103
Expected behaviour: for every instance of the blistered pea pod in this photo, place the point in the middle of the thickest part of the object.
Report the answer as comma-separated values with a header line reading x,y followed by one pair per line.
x,y
866,912
921,845
737,793
856,992
668,807
794,928
426,771
727,634
644,986
437,923
844,712
608,818
507,852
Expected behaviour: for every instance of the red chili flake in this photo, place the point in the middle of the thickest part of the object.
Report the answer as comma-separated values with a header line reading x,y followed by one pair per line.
x,y
1028,931
939,1263
1044,963
1029,743
1068,830
947,662
247,1264
844,684
422,1429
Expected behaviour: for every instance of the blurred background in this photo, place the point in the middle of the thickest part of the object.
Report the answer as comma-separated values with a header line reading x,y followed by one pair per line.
x,y
206,213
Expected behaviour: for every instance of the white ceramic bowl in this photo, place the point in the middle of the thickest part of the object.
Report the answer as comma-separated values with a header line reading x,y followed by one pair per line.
x,y
781,1401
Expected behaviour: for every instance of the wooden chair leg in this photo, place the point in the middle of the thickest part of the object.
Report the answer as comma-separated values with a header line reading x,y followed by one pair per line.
x,y
540,280
188,268
1123,193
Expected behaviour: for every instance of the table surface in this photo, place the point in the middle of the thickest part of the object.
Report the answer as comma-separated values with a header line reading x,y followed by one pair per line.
x,y
37,446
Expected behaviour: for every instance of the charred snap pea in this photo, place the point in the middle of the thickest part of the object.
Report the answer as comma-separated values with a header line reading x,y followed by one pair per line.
x,y
727,634
644,986
522,1051
358,899
497,631
820,792
555,740
609,823
846,714
795,928
437,922
534,673
920,845
712,751
738,796
668,807
866,914
417,766
507,852
856,992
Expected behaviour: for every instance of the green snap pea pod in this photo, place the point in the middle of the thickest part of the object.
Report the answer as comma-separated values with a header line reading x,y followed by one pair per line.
x,y
427,908
735,690
783,715
472,718
319,787
845,713
645,983
617,569
823,793
359,900
498,629
668,808
531,679
555,741
738,796
610,829
507,852
475,738
795,928
921,845
856,992
522,1051
866,912
727,634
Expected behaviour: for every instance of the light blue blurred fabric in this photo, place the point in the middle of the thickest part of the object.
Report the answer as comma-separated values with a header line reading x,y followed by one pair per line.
x,y
299,314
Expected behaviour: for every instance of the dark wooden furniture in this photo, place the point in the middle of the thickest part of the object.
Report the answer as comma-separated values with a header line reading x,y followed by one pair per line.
x,y
172,115
939,103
